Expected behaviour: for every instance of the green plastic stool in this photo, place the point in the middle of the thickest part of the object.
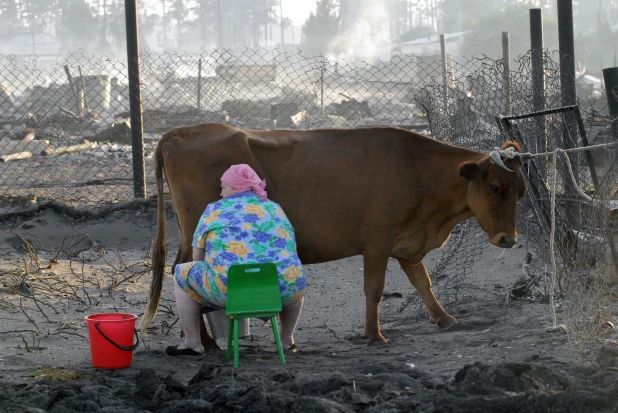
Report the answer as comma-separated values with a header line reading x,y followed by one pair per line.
x,y
252,292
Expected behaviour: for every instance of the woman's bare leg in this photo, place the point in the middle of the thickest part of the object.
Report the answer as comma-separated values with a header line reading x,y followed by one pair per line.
x,y
189,312
289,319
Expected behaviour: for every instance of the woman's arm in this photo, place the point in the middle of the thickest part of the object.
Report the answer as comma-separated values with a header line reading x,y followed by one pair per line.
x,y
198,254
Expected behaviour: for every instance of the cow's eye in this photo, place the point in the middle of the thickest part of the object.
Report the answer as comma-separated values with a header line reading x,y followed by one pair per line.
x,y
494,189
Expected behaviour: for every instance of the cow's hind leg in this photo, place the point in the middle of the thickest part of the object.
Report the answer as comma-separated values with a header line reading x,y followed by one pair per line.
x,y
374,274
419,278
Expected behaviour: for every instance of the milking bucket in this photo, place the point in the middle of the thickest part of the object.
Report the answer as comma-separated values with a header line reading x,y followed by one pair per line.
x,y
219,324
111,339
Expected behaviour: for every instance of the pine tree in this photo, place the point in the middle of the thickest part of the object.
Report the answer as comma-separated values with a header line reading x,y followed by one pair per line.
x,y
9,21
321,28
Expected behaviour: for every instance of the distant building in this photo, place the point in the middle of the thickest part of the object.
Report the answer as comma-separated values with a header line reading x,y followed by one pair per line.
x,y
429,46
45,46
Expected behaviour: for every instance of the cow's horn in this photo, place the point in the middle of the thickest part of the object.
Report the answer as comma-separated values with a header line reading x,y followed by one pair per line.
x,y
495,157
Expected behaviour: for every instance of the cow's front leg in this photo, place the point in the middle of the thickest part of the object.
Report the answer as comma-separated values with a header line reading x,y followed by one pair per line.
x,y
374,274
419,278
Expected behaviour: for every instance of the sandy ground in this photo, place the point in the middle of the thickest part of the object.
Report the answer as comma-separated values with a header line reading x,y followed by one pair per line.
x,y
96,260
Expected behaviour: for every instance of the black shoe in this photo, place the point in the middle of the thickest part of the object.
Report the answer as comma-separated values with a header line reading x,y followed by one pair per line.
x,y
174,351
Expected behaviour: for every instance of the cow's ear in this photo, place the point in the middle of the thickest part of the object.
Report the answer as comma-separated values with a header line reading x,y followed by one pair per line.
x,y
511,144
469,169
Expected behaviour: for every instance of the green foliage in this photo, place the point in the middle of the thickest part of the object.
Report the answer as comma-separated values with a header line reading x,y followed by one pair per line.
x,y
321,28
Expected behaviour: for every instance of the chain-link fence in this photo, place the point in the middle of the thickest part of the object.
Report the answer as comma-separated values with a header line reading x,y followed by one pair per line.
x,y
66,131
569,213
66,135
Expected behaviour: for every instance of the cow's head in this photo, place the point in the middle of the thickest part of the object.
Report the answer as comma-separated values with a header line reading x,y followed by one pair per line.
x,y
495,184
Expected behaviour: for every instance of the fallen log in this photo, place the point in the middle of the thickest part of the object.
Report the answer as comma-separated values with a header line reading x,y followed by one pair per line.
x,y
29,137
68,149
68,112
15,156
8,146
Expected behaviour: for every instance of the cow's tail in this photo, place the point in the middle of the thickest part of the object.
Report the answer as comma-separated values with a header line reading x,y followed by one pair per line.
x,y
159,249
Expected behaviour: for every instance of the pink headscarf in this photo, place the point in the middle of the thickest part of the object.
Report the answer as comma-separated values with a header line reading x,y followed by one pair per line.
x,y
243,178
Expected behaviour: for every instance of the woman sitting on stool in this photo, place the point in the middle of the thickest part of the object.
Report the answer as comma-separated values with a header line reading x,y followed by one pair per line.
x,y
243,227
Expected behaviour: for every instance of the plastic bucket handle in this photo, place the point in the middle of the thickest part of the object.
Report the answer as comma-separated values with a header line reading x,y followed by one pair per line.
x,y
131,348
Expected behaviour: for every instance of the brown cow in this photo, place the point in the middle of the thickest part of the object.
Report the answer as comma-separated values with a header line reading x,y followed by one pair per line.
x,y
379,192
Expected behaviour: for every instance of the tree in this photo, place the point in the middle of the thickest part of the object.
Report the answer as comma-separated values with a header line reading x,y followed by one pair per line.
x,y
460,15
592,49
398,16
485,32
116,26
8,17
77,27
179,12
321,28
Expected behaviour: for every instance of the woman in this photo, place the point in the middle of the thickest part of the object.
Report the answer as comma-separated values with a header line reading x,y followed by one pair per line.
x,y
243,227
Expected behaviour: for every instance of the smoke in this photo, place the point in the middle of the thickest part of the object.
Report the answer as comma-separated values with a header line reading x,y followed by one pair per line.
x,y
365,27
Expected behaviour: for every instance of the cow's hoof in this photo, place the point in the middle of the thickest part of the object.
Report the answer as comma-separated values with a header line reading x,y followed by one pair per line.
x,y
453,325
380,341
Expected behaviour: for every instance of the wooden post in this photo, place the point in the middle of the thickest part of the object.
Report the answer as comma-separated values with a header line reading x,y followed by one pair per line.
x,y
444,71
322,90
79,103
81,80
199,84
506,74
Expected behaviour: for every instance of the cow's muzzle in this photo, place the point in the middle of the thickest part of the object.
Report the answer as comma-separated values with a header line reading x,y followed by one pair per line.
x,y
504,241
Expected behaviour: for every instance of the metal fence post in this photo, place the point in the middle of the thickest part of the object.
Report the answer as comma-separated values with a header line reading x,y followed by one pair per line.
x,y
506,59
610,78
538,74
566,44
135,99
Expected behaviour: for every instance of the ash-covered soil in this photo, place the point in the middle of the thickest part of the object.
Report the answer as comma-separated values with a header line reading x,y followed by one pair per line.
x,y
501,358
315,382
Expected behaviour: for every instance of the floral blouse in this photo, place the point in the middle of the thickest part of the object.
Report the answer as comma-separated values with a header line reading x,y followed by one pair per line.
x,y
242,229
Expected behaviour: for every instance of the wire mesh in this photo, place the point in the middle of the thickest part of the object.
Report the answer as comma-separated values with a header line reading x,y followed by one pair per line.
x,y
577,205
586,263
84,99
66,132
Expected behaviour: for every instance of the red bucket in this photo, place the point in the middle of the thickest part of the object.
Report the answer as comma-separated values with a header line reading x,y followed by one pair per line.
x,y
111,339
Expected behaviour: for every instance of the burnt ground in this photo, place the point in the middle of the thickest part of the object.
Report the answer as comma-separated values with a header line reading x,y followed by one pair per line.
x,y
502,357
